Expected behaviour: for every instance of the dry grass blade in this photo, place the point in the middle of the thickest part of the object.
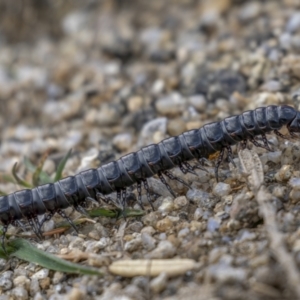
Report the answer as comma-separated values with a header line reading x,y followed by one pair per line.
x,y
61,166
19,180
37,173
144,267
252,166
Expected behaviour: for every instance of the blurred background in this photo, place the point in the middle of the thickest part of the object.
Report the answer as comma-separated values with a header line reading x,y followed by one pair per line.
x,y
110,76
91,75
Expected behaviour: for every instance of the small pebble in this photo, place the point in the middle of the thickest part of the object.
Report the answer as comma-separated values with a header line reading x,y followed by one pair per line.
x,y
76,243
43,273
183,232
295,183
38,296
221,189
76,294
222,273
171,105
284,174
175,127
148,230
147,134
167,205
295,195
198,214
134,103
150,219
164,224
45,283
34,287
148,241
213,224
201,198
21,281
293,23
199,102
94,234
48,226
19,293
122,141
57,277
165,249
180,202
133,245
159,283
197,226
5,283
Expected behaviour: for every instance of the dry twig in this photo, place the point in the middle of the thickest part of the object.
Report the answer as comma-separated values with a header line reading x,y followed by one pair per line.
x,y
252,166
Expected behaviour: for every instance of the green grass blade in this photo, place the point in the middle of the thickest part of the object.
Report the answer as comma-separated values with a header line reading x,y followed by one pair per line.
x,y
61,166
7,178
115,213
37,173
29,165
18,179
104,212
43,176
22,249
131,213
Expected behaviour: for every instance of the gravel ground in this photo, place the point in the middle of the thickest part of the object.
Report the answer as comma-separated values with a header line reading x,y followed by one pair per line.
x,y
118,75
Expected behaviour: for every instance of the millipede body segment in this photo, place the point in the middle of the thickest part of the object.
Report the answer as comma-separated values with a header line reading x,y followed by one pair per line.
x,y
136,167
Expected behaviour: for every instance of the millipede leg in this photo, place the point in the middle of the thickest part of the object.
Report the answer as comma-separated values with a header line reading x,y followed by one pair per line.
x,y
182,168
81,210
37,225
139,189
163,180
256,143
46,218
119,198
35,228
218,163
63,215
172,177
91,200
243,144
266,143
281,135
124,194
4,230
146,186
200,166
105,199
293,135
204,160
264,146
187,168
20,225
229,155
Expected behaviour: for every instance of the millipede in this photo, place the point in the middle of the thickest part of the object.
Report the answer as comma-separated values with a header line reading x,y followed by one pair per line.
x,y
155,159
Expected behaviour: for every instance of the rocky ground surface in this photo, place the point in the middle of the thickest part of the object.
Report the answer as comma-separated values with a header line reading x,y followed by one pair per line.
x,y
114,76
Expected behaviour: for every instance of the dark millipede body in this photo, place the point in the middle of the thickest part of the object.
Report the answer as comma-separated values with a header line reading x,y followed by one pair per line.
x,y
135,168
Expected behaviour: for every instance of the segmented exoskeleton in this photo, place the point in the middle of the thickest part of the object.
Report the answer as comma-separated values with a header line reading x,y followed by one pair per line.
x,y
135,168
